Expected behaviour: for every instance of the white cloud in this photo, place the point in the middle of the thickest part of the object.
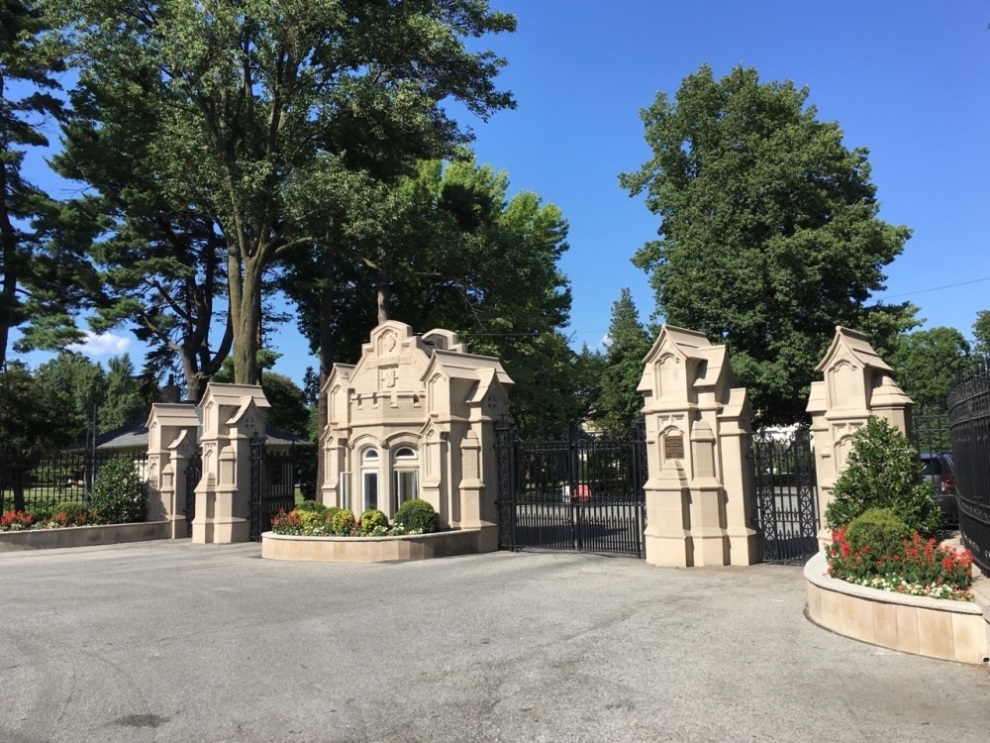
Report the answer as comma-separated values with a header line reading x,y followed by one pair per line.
x,y
606,341
105,344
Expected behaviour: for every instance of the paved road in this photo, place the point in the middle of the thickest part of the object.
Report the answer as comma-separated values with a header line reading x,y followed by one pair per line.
x,y
176,642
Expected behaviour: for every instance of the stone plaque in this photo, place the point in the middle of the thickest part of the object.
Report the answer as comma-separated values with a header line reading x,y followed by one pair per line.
x,y
673,447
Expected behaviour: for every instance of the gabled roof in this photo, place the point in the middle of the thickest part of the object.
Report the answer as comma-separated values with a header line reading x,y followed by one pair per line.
x,y
135,434
857,345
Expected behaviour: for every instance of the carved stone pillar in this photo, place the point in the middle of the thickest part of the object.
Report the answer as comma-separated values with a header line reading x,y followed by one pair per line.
x,y
698,501
857,384
169,425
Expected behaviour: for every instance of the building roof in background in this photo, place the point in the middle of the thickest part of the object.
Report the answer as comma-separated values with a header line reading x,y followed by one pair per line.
x,y
135,434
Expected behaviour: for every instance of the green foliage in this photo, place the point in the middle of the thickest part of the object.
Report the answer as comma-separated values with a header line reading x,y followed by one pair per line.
x,y
250,118
883,471
620,404
36,268
981,332
122,400
310,520
921,567
417,514
928,362
330,513
32,415
343,523
769,233
118,495
879,529
371,520
312,506
447,248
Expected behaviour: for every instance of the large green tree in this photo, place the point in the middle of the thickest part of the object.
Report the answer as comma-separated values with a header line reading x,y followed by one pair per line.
x,y
36,269
259,106
981,332
927,363
769,232
447,247
620,404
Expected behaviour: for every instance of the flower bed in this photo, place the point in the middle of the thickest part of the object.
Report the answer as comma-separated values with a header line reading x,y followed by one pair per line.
x,y
921,568
370,549
314,533
936,628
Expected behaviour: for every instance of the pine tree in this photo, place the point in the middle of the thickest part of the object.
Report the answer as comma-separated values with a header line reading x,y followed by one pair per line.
x,y
620,404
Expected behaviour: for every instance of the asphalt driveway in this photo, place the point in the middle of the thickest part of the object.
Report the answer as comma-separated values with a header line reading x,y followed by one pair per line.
x,y
169,641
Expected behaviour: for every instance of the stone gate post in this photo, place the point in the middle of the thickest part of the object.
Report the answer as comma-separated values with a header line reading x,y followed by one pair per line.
x,y
171,438
857,384
699,499
232,415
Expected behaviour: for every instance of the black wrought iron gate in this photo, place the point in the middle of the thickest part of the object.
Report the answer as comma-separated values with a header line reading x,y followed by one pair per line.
x,y
273,486
580,493
786,495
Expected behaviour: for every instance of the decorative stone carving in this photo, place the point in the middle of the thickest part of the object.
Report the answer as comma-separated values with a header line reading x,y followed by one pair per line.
x,y
424,393
857,384
699,495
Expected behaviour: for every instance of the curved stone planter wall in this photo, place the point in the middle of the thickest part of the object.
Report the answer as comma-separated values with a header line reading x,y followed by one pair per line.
x,y
949,630
83,536
370,549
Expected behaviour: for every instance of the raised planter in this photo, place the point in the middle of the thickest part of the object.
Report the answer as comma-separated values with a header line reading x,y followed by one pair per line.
x,y
370,549
82,536
937,628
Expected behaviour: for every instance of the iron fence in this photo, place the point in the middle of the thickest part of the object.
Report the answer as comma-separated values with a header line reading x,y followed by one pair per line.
x,y
41,483
582,492
931,435
969,421
786,494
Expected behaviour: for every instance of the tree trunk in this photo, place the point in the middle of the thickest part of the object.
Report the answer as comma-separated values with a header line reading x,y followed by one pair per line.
x,y
383,290
245,297
8,293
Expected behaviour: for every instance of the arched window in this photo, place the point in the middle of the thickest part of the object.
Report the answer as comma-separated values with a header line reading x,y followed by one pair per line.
x,y
405,476
369,478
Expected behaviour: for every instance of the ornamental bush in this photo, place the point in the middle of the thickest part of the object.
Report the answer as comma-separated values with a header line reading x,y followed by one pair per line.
x,y
71,514
923,568
879,529
343,523
330,513
309,520
311,506
15,521
118,495
417,515
372,520
883,471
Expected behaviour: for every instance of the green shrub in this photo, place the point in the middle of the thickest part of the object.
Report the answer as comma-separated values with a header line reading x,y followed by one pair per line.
x,y
310,519
71,514
417,514
879,529
118,495
343,523
372,518
311,506
330,513
883,471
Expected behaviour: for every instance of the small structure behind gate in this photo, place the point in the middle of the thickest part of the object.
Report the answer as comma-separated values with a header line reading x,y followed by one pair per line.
x,y
583,492
786,495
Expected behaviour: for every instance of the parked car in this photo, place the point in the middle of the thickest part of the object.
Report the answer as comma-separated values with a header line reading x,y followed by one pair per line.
x,y
939,472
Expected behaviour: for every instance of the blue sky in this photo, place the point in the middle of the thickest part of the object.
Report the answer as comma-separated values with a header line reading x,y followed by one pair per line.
x,y
906,79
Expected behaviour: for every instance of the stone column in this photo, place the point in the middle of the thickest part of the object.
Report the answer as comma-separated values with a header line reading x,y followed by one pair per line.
x,y
170,427
233,415
857,384
698,502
